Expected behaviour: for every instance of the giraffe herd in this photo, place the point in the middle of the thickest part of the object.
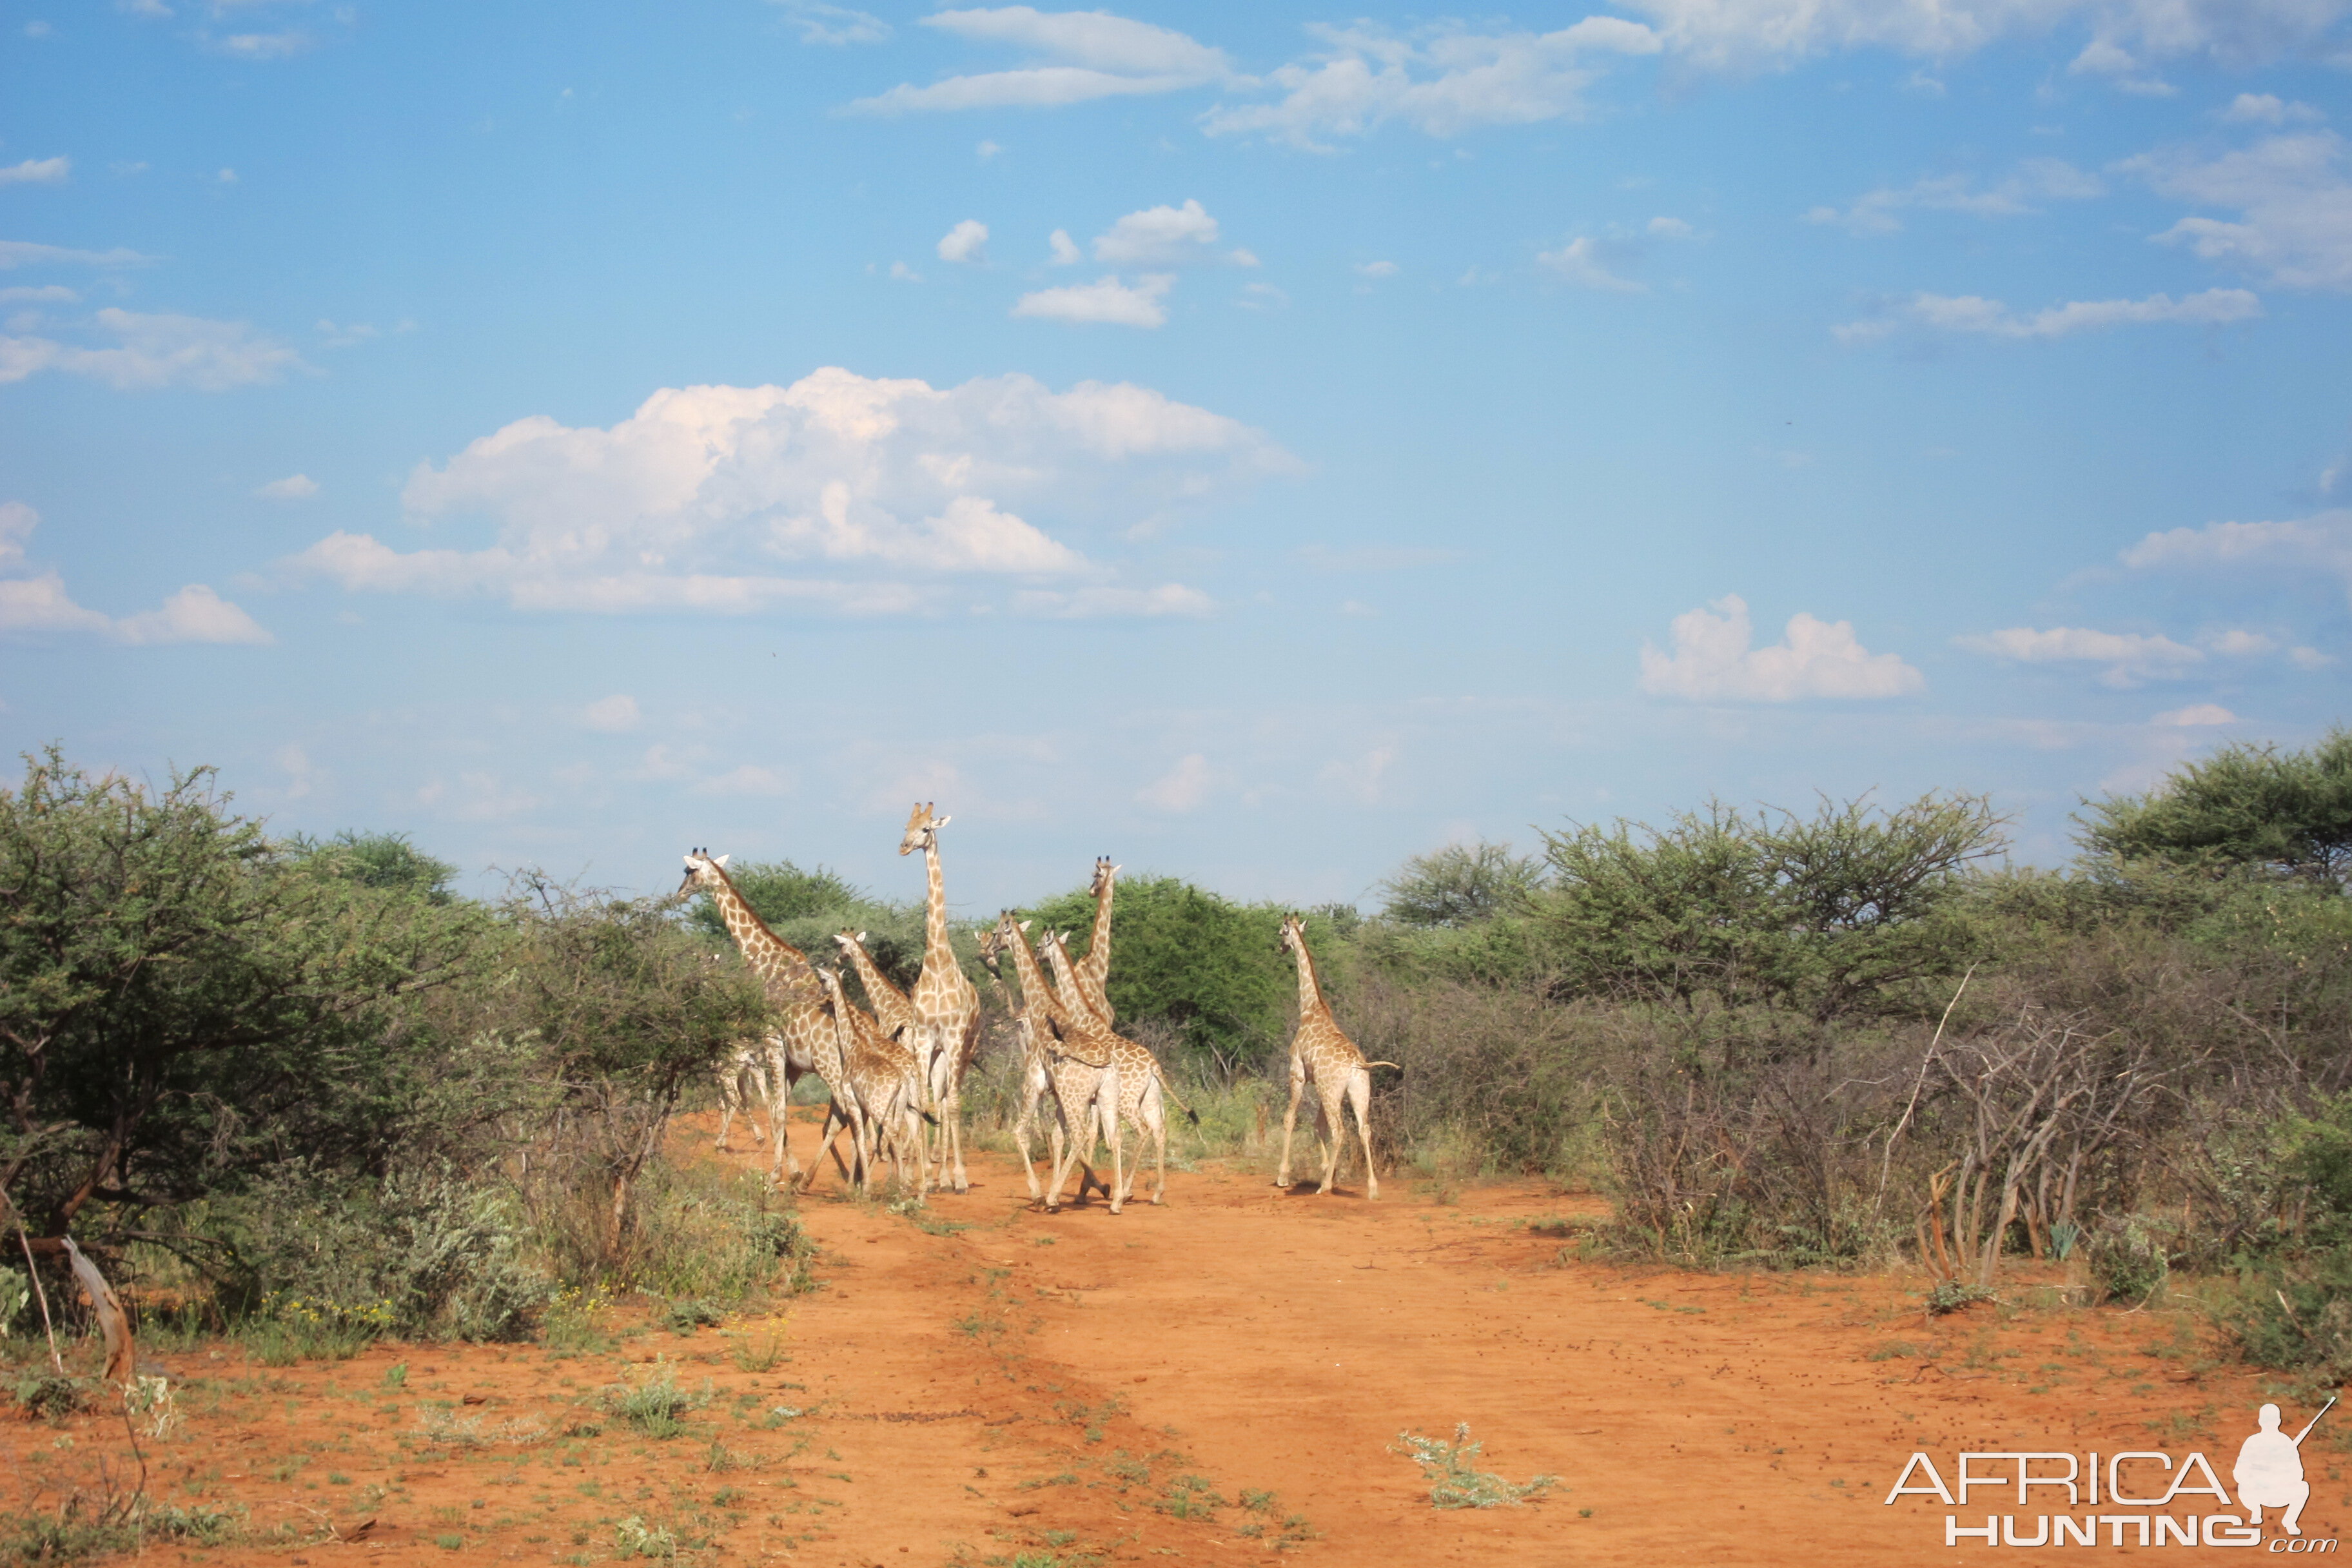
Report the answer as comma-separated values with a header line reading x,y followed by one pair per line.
x,y
894,1074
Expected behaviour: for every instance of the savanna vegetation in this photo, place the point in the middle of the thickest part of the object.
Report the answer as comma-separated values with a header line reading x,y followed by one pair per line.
x,y
303,1090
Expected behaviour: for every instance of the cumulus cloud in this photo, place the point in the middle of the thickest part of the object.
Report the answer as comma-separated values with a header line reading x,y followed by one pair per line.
x,y
697,502
2292,194
1182,788
1581,261
1990,318
611,714
1096,602
36,170
2194,716
834,25
2267,108
968,241
1066,251
1376,269
2301,548
41,604
1164,237
15,253
293,487
1106,300
2129,656
1442,81
1711,660
1078,56
1749,34
2036,180
150,351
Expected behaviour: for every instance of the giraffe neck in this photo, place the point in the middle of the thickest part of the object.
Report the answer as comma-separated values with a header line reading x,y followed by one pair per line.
x,y
877,984
937,947
1311,993
1035,992
783,968
1097,959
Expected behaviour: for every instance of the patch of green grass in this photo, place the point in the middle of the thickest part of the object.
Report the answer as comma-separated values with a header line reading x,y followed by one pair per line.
x,y
656,1407
1455,1479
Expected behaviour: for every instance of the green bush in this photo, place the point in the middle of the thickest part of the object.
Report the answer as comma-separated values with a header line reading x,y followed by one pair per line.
x,y
2128,1259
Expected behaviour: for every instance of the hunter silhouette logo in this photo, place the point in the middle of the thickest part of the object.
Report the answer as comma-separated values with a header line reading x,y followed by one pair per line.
x,y
2163,1496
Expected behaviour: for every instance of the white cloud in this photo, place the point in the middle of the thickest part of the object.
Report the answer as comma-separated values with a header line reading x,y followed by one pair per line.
x,y
2308,658
16,253
834,25
17,521
1990,318
987,149
1580,262
1082,55
2300,548
263,47
613,714
2238,643
1066,251
1376,268
42,605
904,273
2037,179
1359,779
2294,199
293,487
2130,656
157,351
1164,237
1182,788
1106,301
1669,228
194,614
1095,602
1262,297
2194,716
36,170
748,779
50,294
1443,81
968,241
1753,33
1712,661
694,502
2266,109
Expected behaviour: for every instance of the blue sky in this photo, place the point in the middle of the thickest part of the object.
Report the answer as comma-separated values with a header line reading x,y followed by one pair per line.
x,y
1257,443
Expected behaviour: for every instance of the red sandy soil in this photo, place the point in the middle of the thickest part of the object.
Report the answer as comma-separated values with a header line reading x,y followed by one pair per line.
x,y
1033,1389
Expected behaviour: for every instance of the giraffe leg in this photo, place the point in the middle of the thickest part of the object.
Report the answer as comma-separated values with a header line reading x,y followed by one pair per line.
x,y
1152,1120
1331,1123
1360,1095
728,1090
1062,1141
1109,1103
781,1072
1289,1121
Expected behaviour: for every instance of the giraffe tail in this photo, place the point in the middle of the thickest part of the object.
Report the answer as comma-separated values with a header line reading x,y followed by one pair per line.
x,y
1170,1090
1399,1066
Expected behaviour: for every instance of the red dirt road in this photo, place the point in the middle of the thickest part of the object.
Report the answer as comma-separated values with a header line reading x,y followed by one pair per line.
x,y
1032,1389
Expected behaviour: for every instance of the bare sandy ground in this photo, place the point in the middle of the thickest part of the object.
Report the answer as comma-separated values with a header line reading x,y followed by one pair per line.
x,y
1220,1380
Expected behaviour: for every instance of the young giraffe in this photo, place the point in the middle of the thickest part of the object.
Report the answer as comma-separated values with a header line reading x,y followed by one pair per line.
x,y
1323,1057
1036,1080
1144,1095
1095,967
742,1088
888,1085
1080,1063
946,1032
891,1008
803,1042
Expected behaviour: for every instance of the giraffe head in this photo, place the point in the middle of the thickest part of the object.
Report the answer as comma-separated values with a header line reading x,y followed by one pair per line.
x,y
922,829
1294,934
992,942
702,871
1103,872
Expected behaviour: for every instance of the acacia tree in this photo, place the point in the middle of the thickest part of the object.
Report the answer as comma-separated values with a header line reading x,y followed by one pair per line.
x,y
2245,806
176,991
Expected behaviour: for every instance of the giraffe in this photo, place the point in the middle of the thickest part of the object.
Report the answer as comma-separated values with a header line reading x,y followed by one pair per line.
x,y
1095,967
1036,1082
1144,1093
803,1042
946,1032
743,1085
1079,1060
887,1089
1323,1057
891,1008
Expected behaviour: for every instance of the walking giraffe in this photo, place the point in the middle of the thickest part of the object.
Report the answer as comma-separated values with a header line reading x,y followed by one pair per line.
x,y
1144,1094
891,1008
804,1041
1322,1057
1078,1059
1095,967
945,1035
887,1102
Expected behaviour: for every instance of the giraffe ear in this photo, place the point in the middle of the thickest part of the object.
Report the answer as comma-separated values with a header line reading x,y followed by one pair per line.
x,y
941,821
1024,926
722,860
